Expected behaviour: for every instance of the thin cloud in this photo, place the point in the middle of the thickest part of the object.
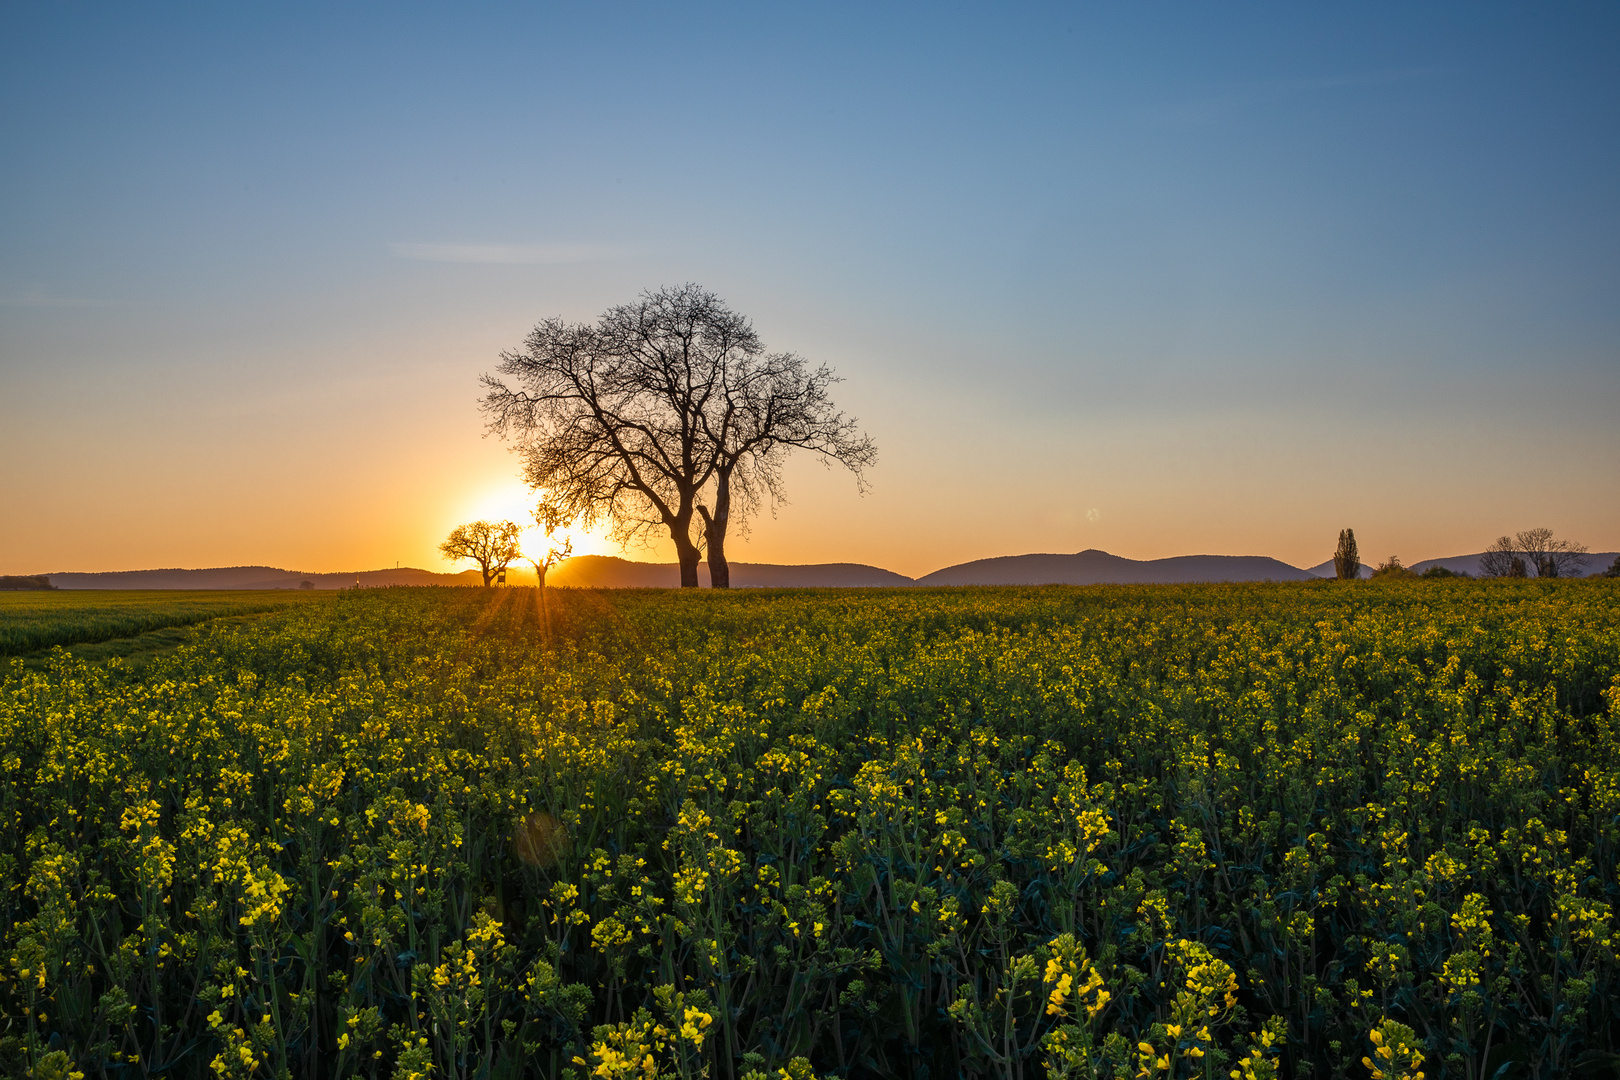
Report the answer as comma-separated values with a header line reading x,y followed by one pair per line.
x,y
507,254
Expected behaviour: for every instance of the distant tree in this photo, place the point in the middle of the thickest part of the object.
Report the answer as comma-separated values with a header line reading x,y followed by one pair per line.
x,y
1346,559
769,406
1614,568
492,545
1500,558
552,520
306,584
25,581
1566,558
609,417
1392,568
1532,545
1549,556
1439,572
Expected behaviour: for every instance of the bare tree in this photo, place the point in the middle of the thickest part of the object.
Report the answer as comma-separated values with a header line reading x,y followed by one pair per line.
x,y
609,417
1533,545
558,544
1498,559
768,407
1549,556
1346,559
491,544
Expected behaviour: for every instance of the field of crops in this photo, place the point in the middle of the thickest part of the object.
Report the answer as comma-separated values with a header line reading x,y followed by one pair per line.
x,y
30,621
1320,830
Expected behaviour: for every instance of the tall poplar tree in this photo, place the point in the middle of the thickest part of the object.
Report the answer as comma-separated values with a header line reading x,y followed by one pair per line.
x,y
1346,560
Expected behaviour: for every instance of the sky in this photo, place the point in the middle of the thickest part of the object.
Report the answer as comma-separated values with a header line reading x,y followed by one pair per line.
x,y
1160,279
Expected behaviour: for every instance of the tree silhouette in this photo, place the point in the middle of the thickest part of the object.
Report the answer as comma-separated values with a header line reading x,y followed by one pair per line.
x,y
607,417
492,545
552,520
631,418
1346,560
1549,556
1535,551
1500,558
768,407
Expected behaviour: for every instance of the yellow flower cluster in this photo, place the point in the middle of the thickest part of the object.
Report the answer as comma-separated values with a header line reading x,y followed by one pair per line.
x,y
1398,1053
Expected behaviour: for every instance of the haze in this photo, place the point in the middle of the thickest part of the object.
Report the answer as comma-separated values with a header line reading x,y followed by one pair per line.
x,y
1156,279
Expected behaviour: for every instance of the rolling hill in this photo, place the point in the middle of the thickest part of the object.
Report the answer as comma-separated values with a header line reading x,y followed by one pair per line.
x,y
1596,563
1090,567
609,572
1093,567
1326,570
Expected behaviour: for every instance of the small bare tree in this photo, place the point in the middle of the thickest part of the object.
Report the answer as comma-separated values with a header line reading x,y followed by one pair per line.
x,y
1499,559
1533,544
553,522
1346,559
491,544
1549,556
609,417
768,407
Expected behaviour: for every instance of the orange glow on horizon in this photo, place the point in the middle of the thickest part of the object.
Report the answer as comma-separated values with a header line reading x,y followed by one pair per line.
x,y
511,500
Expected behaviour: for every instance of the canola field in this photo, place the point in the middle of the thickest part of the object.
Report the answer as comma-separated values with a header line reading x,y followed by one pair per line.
x,y
30,621
1319,830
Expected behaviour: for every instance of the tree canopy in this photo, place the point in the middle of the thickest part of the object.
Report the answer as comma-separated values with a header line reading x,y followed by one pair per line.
x,y
493,545
662,411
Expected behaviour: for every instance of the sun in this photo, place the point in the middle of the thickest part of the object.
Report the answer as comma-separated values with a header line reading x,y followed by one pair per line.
x,y
511,500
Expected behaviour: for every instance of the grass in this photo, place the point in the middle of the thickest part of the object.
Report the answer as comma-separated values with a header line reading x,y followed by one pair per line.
x,y
142,619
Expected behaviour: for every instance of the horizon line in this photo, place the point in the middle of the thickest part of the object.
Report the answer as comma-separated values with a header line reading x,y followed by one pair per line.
x,y
733,562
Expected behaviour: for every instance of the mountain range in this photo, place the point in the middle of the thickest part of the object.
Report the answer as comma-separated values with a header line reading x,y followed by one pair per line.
x,y
1089,567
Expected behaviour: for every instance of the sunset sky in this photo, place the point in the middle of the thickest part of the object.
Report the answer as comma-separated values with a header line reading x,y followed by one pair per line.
x,y
1160,279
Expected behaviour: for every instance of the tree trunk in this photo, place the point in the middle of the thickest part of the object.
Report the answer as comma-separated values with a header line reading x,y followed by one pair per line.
x,y
689,555
714,532
686,552
719,569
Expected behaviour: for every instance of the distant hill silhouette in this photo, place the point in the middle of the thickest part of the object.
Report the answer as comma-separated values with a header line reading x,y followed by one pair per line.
x,y
1090,567
1596,563
609,572
1093,567
583,571
255,577
1326,570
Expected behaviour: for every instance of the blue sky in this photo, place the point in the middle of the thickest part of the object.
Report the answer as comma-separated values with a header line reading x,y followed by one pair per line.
x,y
1160,279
